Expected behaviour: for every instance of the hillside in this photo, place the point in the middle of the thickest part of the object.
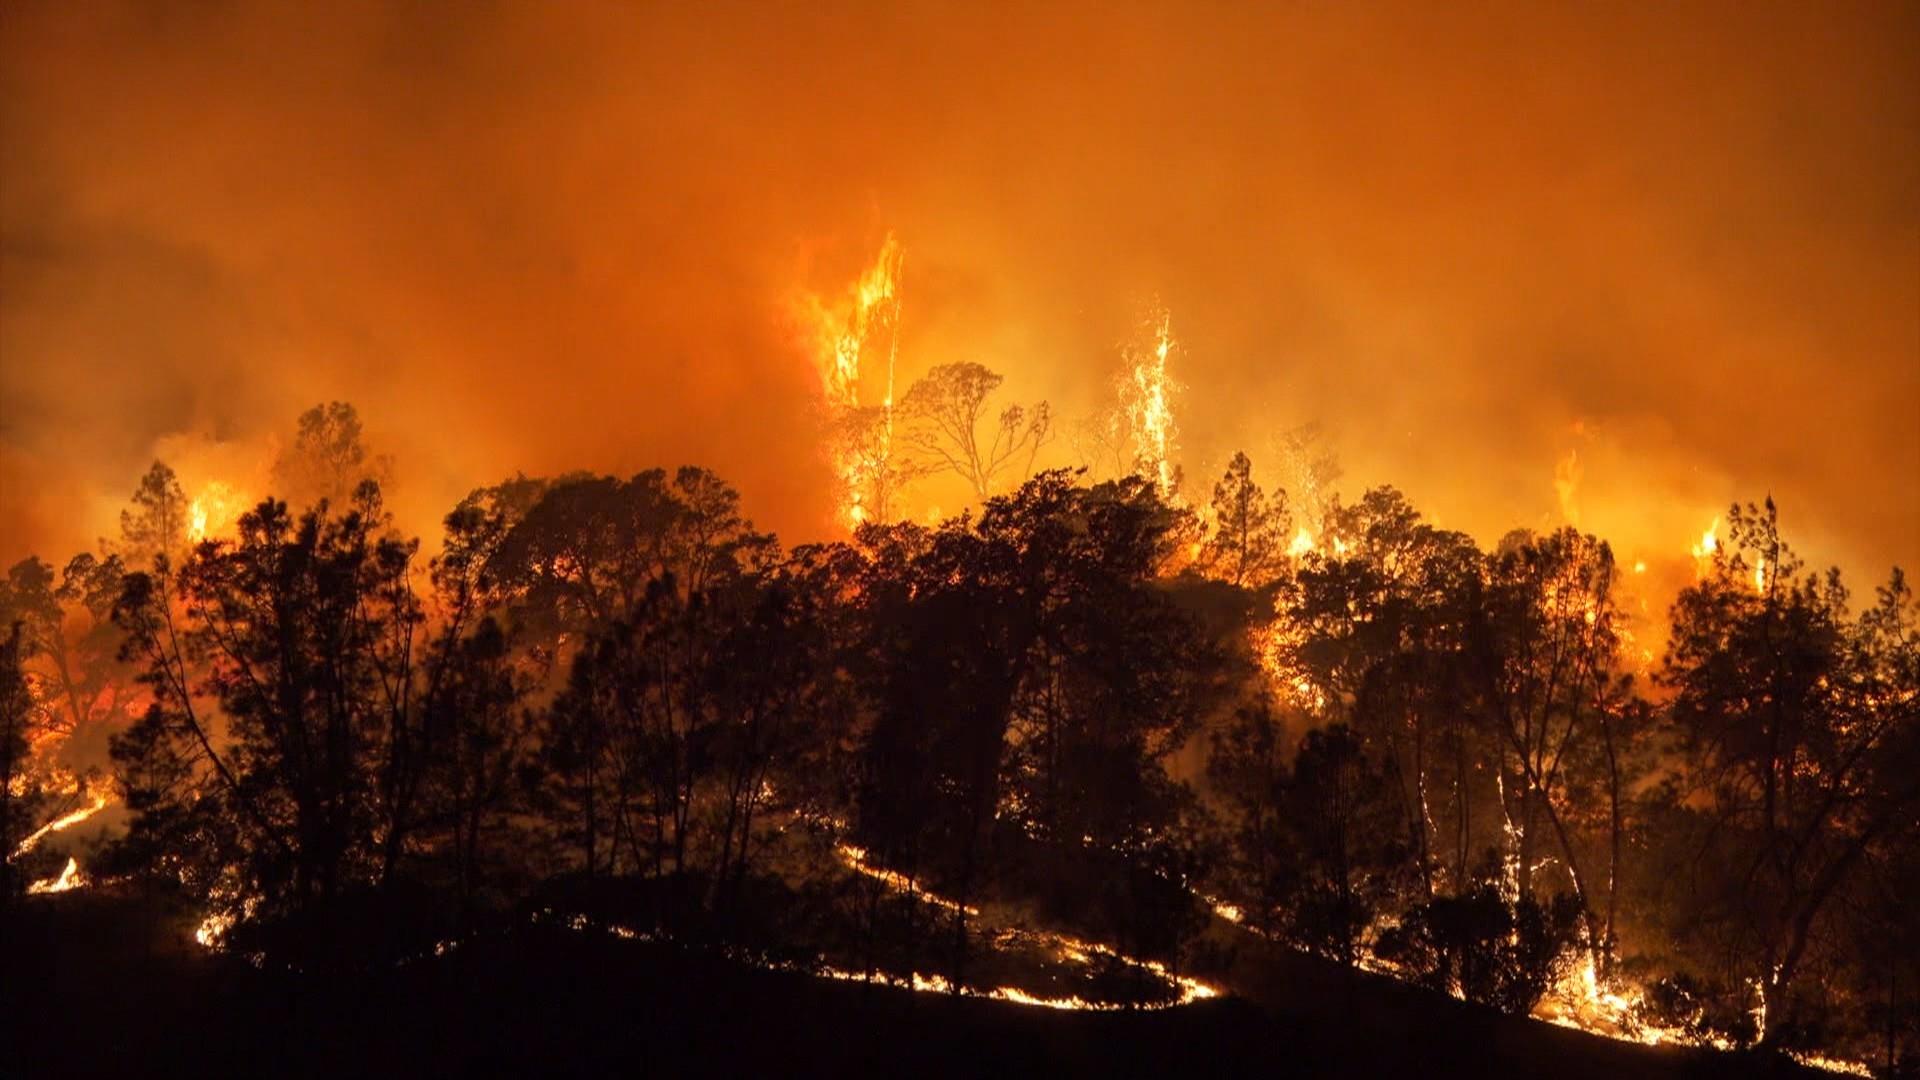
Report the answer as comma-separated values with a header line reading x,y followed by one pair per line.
x,y
95,988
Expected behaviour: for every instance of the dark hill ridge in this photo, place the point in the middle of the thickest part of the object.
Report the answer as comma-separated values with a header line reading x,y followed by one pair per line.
x,y
92,989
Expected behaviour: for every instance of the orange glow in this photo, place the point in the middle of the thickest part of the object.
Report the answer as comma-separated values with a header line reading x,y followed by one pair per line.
x,y
843,331
1146,399
1703,550
214,511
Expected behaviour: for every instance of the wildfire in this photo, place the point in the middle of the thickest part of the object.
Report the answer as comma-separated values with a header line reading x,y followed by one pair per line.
x,y
1583,999
856,860
1276,646
213,928
213,511
1703,551
98,797
843,332
1149,407
1067,947
229,907
69,879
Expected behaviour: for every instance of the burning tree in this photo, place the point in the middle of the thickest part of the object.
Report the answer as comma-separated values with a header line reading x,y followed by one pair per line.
x,y
1138,436
861,439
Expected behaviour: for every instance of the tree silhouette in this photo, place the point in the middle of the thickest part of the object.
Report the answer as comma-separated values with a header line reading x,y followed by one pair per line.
x,y
621,706
272,755
155,525
1801,733
23,795
943,412
328,459
1250,528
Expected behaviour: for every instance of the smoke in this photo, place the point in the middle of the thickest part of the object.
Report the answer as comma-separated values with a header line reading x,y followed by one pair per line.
x,y
530,237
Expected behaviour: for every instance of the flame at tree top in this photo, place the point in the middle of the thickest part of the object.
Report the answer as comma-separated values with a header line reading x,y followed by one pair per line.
x,y
1147,401
862,458
1709,543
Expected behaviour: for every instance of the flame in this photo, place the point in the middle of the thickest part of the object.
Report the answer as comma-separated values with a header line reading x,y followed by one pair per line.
x,y
214,511
1703,551
69,879
843,331
1827,1064
98,798
1149,407
856,860
1302,543
1276,647
1068,947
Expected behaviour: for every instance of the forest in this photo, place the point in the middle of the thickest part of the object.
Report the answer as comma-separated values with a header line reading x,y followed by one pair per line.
x,y
1067,747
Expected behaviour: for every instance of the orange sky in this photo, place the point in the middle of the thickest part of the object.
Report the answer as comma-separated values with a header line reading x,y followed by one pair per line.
x,y
1683,243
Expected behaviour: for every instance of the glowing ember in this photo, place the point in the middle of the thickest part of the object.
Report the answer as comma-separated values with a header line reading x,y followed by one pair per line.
x,y
213,928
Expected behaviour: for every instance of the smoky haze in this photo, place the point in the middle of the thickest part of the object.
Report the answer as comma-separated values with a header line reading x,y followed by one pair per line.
x,y
1673,254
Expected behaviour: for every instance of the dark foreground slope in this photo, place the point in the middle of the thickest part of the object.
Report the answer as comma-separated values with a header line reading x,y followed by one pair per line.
x,y
90,988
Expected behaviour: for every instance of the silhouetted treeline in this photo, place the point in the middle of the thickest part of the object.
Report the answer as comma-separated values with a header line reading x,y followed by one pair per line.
x,y
1381,743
